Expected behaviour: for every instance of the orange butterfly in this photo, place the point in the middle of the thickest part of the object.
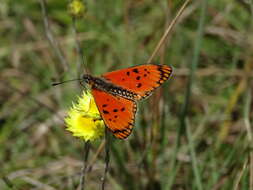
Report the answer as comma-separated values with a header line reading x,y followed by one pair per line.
x,y
117,92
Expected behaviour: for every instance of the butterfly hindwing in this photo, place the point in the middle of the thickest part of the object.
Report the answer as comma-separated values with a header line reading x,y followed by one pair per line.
x,y
141,80
118,113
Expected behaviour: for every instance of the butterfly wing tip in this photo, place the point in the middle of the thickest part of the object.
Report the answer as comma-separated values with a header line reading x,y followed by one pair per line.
x,y
167,67
122,134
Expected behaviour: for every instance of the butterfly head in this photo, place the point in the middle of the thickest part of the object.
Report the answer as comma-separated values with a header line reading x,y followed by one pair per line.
x,y
86,79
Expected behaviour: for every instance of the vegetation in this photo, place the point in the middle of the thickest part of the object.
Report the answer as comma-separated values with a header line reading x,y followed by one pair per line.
x,y
193,133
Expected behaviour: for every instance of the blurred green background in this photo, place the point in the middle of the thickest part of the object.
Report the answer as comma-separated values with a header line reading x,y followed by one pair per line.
x,y
193,133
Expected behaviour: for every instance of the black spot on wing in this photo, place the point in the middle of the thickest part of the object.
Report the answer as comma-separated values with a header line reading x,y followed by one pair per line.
x,y
105,112
135,70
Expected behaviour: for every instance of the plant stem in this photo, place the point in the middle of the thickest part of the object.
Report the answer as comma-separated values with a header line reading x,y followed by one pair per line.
x,y
167,32
107,157
193,156
85,164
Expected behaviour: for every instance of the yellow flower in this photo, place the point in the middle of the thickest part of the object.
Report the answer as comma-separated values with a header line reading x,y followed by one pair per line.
x,y
84,120
76,8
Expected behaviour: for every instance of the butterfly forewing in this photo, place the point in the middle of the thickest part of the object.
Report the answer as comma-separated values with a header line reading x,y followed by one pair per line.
x,y
141,80
118,113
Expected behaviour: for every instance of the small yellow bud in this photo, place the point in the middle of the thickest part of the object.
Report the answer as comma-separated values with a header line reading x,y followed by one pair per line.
x,y
77,8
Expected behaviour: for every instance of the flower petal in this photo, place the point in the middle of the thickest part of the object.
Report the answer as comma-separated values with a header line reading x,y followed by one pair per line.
x,y
84,120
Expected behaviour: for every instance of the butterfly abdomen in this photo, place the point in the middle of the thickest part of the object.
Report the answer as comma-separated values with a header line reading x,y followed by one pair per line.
x,y
106,86
118,91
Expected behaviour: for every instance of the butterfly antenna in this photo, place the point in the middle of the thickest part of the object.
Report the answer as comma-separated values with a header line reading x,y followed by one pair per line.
x,y
57,83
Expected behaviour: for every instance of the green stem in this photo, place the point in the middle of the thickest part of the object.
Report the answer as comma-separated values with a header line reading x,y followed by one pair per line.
x,y
193,157
84,169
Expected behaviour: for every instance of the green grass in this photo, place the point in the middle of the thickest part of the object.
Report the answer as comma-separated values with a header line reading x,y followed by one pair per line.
x,y
36,152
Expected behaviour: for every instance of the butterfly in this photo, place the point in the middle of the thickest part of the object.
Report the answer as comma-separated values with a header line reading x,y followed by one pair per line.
x,y
116,93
